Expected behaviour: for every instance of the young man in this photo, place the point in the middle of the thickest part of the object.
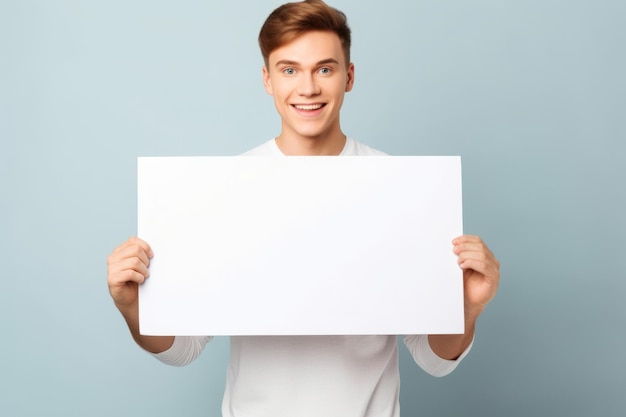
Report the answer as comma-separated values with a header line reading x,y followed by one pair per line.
x,y
306,49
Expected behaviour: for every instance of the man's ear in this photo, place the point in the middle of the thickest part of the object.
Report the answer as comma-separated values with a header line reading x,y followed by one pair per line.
x,y
350,77
267,83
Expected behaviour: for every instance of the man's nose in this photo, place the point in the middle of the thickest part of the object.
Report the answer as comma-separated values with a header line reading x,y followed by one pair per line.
x,y
308,86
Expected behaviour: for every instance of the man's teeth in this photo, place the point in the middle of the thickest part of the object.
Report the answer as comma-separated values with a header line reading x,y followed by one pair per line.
x,y
308,107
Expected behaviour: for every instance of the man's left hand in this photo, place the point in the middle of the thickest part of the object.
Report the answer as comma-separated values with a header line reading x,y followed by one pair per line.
x,y
481,272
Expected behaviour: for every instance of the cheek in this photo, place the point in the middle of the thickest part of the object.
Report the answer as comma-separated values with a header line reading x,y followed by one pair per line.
x,y
280,102
338,87
279,90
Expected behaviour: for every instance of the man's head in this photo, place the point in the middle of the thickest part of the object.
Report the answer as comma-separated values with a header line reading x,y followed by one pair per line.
x,y
292,20
307,71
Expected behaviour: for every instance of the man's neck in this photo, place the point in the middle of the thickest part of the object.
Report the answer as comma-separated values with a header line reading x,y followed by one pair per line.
x,y
303,146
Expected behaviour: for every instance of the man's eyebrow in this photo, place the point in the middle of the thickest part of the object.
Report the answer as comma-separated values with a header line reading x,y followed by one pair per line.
x,y
295,63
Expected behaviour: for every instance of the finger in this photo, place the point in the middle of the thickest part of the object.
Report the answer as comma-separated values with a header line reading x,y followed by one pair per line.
x,y
121,278
470,243
470,247
135,242
474,252
143,244
489,270
466,239
128,252
477,263
478,255
134,264
483,266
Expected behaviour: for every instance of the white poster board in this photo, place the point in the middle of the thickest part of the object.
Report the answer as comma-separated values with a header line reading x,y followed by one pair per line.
x,y
252,245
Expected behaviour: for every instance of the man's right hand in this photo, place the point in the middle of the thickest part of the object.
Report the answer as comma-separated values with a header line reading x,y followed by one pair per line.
x,y
127,269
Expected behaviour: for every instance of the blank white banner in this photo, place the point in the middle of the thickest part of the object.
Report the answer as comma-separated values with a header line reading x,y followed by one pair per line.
x,y
301,245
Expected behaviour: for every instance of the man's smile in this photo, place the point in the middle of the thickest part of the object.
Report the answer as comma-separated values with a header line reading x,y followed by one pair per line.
x,y
309,107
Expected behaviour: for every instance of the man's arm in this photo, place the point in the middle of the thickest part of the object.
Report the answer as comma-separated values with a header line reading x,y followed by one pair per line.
x,y
127,269
481,276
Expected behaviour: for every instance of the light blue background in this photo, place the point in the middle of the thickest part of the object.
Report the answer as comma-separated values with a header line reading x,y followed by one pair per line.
x,y
531,93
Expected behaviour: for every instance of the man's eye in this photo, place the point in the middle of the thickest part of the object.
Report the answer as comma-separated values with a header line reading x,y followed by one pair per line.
x,y
325,70
289,71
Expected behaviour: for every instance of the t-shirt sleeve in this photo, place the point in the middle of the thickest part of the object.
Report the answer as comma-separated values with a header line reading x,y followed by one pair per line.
x,y
427,359
184,350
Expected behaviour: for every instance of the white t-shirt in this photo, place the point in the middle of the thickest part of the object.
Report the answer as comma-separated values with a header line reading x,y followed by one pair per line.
x,y
351,148
313,376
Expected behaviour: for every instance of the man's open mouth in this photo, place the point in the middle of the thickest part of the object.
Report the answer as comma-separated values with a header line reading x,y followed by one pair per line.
x,y
308,107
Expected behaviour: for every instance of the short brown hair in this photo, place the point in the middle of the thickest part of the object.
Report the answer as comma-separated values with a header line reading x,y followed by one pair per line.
x,y
291,20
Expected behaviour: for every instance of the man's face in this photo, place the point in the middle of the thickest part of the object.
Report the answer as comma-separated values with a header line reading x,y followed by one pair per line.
x,y
308,78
